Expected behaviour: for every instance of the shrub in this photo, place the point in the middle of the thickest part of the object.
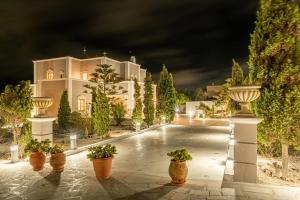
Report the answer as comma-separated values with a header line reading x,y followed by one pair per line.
x,y
180,155
99,152
118,112
36,146
56,149
64,112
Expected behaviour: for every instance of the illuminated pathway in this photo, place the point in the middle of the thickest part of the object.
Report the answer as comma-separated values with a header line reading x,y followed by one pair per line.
x,y
140,170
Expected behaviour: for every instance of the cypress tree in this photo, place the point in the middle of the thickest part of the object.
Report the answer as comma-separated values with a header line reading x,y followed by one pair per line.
x,y
100,113
166,96
149,109
138,107
273,62
64,111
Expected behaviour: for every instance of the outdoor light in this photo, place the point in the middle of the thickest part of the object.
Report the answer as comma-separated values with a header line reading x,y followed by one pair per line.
x,y
14,153
190,114
73,141
177,110
163,119
137,126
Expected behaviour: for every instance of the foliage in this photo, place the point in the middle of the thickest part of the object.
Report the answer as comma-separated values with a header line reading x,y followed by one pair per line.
x,y
180,155
99,152
64,111
25,137
105,80
56,149
138,106
166,96
100,114
199,95
81,122
181,99
16,106
208,111
237,74
149,109
274,62
35,146
118,112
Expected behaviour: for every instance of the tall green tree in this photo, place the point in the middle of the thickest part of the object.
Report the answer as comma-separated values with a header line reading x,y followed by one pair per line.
x,y
149,109
64,111
199,94
166,96
237,74
138,106
100,113
16,106
181,98
274,62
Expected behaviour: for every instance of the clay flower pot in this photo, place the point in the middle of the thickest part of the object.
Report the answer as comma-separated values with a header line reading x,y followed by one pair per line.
x,y
57,161
178,171
244,95
37,160
102,168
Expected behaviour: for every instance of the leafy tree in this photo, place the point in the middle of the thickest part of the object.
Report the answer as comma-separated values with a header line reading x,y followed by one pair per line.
x,y
81,122
274,62
149,109
118,112
64,111
105,79
181,99
166,95
199,94
138,106
208,111
237,74
16,106
100,114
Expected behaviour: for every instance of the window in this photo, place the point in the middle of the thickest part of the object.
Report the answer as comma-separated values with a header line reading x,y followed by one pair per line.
x,y
50,74
61,74
84,76
81,104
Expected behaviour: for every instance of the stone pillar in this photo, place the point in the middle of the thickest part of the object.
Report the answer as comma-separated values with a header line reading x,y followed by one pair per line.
x,y
245,149
42,128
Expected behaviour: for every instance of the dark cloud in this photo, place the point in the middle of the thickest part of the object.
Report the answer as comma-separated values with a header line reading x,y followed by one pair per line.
x,y
192,37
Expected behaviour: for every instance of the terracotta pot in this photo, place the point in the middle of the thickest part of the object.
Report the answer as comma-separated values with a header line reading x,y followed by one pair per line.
x,y
57,161
178,171
37,160
102,168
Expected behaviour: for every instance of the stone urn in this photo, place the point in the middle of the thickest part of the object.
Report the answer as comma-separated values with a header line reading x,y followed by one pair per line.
x,y
244,95
42,103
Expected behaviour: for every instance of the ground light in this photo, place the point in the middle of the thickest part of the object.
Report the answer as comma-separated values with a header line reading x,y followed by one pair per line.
x,y
137,126
14,153
73,141
163,119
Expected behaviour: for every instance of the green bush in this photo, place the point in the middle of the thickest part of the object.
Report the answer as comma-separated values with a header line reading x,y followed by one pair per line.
x,y
81,123
99,152
56,149
36,146
118,112
180,155
64,112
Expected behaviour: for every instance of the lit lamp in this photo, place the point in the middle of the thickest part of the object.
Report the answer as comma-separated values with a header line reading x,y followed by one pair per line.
x,y
14,153
137,126
73,141
163,119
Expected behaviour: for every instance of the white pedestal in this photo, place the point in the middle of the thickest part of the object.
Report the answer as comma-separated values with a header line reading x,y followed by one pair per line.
x,y
42,128
245,149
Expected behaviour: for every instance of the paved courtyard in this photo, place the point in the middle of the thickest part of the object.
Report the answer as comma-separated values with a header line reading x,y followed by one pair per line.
x,y
140,171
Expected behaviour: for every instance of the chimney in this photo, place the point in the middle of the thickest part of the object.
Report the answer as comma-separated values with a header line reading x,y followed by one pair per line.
x,y
132,59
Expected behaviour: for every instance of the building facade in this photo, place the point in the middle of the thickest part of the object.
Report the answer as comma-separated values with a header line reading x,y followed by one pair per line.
x,y
55,75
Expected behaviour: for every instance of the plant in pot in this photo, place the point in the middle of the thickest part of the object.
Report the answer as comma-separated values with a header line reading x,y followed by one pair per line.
x,y
37,151
178,170
57,159
102,156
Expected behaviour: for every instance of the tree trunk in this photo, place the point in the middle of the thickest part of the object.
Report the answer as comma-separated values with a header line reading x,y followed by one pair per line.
x,y
285,158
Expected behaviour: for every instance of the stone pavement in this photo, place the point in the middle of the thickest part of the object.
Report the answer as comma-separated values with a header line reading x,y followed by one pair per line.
x,y
140,171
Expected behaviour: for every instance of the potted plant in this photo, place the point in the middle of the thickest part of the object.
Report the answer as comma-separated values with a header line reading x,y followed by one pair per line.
x,y
178,170
102,156
57,159
36,151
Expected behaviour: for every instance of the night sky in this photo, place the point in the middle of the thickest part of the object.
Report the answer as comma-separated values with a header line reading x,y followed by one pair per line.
x,y
196,39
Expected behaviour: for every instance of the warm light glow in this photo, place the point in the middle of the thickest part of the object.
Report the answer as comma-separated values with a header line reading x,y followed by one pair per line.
x,y
138,123
50,74
14,148
73,137
85,76
231,142
190,114
81,104
177,110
